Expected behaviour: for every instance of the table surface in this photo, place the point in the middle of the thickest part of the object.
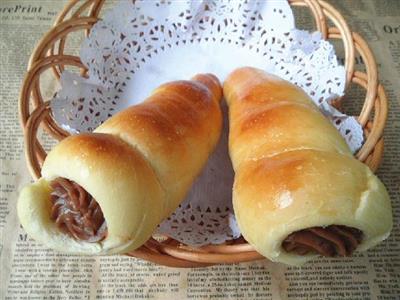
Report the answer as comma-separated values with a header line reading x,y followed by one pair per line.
x,y
30,271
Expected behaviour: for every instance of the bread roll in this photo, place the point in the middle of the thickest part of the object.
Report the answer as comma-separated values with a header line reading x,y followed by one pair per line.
x,y
122,180
298,191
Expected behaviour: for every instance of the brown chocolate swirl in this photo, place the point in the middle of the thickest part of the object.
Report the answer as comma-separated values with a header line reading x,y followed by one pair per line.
x,y
76,212
334,240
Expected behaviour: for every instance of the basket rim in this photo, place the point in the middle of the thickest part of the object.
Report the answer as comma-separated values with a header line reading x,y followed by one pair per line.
x,y
46,56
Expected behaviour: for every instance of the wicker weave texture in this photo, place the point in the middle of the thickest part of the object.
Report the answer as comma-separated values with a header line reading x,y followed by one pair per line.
x,y
50,53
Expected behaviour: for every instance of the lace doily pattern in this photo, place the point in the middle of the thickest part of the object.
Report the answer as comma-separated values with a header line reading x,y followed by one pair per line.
x,y
139,45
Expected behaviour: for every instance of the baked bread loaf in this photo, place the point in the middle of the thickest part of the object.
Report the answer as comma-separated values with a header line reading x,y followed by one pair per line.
x,y
106,192
298,191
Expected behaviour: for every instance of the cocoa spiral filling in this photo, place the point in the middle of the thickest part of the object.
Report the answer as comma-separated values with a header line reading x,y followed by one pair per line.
x,y
334,240
76,212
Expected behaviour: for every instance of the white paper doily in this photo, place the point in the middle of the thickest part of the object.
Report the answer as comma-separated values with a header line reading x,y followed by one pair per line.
x,y
140,45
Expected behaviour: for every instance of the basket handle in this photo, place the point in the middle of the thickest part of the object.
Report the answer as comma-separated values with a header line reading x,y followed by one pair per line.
x,y
34,152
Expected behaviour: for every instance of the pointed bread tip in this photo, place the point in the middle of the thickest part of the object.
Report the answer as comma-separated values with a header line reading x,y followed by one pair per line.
x,y
212,83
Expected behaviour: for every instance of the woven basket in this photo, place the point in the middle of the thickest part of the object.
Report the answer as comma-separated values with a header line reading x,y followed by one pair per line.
x,y
82,15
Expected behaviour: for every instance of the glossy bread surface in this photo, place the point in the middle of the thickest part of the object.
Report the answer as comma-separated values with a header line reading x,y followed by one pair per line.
x,y
138,166
293,170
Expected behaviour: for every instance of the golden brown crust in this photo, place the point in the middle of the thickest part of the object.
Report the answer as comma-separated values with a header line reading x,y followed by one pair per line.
x,y
290,127
256,88
170,128
138,166
119,178
293,170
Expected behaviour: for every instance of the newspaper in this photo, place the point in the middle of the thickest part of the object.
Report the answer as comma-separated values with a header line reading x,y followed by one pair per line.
x,y
30,271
